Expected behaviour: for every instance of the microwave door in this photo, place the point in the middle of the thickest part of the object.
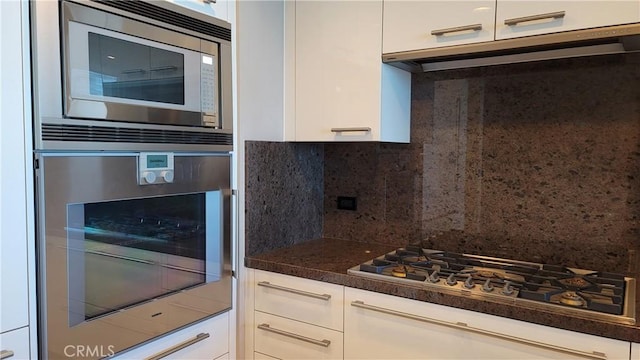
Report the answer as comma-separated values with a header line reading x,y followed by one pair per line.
x,y
116,76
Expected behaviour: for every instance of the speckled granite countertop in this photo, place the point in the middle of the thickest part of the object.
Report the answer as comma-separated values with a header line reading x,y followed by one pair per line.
x,y
329,259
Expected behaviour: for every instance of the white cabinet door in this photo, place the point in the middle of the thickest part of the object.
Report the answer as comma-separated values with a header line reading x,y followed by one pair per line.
x,y
205,340
555,16
300,299
13,205
414,25
218,8
386,327
288,339
15,344
339,75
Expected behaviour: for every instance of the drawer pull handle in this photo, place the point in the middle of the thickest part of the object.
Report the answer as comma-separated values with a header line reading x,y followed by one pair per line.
x,y
472,27
5,354
516,21
464,327
266,327
351,129
269,285
179,347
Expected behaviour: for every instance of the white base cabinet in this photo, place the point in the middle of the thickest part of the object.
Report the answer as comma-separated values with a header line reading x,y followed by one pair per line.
x,y
205,340
387,327
15,344
296,318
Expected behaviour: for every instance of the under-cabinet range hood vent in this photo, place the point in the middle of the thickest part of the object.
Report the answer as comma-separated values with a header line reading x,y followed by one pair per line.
x,y
587,42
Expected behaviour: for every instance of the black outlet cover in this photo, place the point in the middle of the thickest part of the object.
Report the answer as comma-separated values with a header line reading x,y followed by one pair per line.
x,y
347,203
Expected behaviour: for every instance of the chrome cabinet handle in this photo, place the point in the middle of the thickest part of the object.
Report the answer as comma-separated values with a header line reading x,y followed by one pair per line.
x,y
516,21
464,327
5,354
351,129
323,343
179,347
209,1
267,284
474,27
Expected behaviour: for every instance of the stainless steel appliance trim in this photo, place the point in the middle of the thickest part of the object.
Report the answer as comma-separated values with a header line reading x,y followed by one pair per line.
x,y
101,253
5,354
179,347
325,297
323,343
472,27
465,327
351,129
516,21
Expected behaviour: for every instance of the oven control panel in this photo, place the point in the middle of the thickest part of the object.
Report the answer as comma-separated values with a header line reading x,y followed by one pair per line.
x,y
155,168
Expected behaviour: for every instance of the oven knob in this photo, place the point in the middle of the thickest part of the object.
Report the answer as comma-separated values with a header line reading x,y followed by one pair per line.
x,y
433,278
487,287
149,177
507,289
469,283
451,280
167,176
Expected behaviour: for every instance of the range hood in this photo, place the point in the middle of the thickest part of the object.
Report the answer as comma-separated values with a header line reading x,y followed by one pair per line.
x,y
587,42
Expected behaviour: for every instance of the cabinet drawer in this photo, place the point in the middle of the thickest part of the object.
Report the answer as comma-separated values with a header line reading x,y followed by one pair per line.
x,y
300,299
556,16
214,342
408,25
288,339
14,345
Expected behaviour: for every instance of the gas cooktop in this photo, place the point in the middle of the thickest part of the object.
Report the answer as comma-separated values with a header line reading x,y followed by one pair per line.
x,y
578,292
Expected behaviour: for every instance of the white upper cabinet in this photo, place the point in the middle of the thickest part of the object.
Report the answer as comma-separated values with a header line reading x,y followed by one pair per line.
x,y
343,92
424,24
215,8
516,18
415,25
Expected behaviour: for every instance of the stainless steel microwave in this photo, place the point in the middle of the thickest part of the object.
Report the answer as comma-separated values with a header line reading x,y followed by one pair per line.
x,y
135,72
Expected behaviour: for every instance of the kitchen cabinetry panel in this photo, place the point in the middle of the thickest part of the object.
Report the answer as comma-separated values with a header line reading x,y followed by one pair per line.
x,y
218,8
339,75
13,181
386,327
194,344
556,16
300,299
415,25
288,339
15,344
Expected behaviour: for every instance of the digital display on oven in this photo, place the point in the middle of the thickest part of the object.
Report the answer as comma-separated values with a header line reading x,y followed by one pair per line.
x,y
157,161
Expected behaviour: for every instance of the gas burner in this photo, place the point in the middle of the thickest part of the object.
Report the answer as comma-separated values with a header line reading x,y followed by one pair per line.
x,y
591,294
571,298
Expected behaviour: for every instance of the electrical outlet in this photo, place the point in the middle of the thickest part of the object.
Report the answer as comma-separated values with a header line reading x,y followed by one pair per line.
x,y
347,203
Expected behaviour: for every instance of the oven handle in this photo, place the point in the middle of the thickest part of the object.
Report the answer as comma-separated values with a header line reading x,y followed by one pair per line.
x,y
464,327
267,284
179,347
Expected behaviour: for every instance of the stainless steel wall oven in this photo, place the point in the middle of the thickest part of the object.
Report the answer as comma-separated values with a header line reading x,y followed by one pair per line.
x,y
133,148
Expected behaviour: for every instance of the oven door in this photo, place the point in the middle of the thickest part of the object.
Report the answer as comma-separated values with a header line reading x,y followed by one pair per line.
x,y
117,68
122,263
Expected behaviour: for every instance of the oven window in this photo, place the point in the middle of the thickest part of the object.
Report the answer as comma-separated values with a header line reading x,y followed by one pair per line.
x,y
129,251
124,69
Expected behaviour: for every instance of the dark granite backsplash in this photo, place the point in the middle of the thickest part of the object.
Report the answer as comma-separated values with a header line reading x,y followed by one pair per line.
x,y
536,162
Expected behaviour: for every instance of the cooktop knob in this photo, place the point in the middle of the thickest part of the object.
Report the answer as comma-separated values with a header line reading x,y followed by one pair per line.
x,y
507,289
469,283
433,278
487,287
451,280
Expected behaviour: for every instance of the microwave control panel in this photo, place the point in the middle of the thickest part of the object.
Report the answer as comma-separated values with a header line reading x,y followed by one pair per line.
x,y
155,168
208,95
